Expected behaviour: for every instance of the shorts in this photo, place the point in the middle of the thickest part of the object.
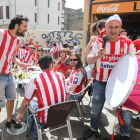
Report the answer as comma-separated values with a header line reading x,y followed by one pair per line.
x,y
7,89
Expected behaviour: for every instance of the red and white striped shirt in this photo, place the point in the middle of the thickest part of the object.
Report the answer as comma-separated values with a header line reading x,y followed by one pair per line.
x,y
76,77
20,53
114,50
8,47
27,57
64,66
54,49
51,88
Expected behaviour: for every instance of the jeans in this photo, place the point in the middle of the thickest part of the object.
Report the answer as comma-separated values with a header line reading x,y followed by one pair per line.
x,y
78,97
33,129
98,100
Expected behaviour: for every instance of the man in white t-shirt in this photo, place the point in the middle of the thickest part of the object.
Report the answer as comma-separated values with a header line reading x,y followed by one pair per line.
x,y
115,47
75,49
59,44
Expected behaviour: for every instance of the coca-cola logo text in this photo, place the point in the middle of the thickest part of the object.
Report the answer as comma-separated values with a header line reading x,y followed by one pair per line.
x,y
111,8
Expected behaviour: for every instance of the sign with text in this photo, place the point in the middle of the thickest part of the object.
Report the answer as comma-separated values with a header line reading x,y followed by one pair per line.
x,y
121,7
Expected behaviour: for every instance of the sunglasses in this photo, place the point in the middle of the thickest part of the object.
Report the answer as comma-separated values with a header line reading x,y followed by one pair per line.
x,y
32,48
38,50
73,59
62,52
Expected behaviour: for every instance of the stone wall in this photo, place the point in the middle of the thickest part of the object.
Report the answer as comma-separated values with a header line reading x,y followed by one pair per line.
x,y
73,19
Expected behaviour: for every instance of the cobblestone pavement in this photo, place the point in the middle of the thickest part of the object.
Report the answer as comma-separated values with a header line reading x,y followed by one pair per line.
x,y
105,128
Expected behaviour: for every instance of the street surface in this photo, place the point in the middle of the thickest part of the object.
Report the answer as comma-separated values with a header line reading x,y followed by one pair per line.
x,y
105,129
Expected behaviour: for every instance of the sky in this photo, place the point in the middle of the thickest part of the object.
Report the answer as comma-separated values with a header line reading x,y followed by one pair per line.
x,y
75,4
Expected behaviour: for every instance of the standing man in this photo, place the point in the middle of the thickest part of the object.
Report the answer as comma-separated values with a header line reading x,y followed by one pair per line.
x,y
116,47
9,43
59,44
50,87
28,56
75,47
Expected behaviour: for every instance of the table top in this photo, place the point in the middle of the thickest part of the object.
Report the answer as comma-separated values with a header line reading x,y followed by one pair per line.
x,y
46,48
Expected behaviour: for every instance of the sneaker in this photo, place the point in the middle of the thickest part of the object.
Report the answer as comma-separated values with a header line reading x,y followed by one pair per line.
x,y
14,124
124,138
89,133
137,117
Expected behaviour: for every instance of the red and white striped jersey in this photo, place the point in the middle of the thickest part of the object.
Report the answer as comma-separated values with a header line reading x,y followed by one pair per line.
x,y
20,53
27,57
114,50
76,77
8,47
51,88
54,49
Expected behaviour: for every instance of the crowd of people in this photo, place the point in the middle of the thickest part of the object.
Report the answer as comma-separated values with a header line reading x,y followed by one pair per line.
x,y
61,76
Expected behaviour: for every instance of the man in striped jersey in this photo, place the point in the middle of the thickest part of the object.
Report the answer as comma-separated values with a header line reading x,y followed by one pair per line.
x,y
54,49
20,52
28,56
9,43
105,60
50,87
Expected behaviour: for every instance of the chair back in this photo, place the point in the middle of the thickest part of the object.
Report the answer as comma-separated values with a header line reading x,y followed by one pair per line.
x,y
58,113
83,94
85,90
56,55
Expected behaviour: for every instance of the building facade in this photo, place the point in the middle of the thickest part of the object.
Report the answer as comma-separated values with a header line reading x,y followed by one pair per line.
x,y
43,14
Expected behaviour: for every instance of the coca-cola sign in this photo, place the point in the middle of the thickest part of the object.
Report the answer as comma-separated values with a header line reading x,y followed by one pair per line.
x,y
111,8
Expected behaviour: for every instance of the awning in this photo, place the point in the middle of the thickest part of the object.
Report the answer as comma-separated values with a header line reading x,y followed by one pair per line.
x,y
116,7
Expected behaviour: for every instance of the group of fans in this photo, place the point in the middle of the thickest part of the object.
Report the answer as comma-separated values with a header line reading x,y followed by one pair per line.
x,y
30,52
54,84
51,87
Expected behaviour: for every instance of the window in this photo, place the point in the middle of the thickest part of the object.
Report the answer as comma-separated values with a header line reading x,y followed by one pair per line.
x,y
48,18
1,12
35,2
7,12
58,6
35,17
48,3
58,20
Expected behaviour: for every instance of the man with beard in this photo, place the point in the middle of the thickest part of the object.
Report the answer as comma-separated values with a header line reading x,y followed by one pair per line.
x,y
78,77
9,43
117,47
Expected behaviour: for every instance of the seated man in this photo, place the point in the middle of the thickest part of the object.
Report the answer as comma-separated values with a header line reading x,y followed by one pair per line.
x,y
28,56
78,77
50,87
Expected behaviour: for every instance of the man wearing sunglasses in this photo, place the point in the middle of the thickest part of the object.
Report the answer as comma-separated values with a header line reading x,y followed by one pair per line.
x,y
28,56
78,77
